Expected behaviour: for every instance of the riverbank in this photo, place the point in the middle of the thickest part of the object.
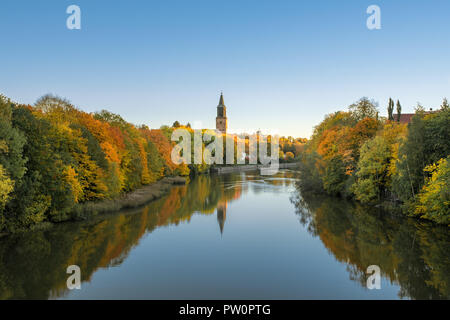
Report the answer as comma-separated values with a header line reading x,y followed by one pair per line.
x,y
133,199
139,197
393,205
154,191
212,212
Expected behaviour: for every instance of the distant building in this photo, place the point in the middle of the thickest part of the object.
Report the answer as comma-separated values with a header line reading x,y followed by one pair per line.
x,y
407,117
404,117
221,119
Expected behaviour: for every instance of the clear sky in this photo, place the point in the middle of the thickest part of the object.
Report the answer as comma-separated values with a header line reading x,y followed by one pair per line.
x,y
282,65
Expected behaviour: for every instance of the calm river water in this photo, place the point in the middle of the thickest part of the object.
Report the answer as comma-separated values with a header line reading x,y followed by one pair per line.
x,y
237,236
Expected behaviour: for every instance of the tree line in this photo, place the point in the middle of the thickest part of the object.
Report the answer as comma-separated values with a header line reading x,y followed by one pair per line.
x,y
54,158
376,160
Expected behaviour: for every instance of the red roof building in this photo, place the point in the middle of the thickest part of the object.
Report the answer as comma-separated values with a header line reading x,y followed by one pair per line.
x,y
404,117
407,117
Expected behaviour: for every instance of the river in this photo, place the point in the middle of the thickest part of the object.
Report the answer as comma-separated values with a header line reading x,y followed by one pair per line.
x,y
233,236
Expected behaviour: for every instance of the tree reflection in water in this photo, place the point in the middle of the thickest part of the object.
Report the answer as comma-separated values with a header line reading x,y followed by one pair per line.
x,y
33,265
412,253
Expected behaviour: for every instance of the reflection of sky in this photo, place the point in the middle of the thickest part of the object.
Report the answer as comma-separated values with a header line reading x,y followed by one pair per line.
x,y
264,253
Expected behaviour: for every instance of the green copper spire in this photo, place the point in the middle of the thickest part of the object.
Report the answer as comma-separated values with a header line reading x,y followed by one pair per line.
x,y
221,103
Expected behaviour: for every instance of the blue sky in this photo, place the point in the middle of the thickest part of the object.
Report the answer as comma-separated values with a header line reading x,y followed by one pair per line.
x,y
282,65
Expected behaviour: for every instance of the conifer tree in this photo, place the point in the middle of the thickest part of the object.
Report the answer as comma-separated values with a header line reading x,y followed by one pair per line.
x,y
399,110
390,109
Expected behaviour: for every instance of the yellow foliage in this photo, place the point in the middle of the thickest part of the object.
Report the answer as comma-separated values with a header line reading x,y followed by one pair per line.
x,y
6,186
434,199
75,185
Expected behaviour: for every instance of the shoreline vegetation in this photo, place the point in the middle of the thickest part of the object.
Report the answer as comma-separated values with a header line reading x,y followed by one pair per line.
x,y
411,252
154,191
383,162
59,163
134,199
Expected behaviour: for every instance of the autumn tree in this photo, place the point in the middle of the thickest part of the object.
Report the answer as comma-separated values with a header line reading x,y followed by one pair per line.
x,y
364,108
6,187
372,172
426,143
434,199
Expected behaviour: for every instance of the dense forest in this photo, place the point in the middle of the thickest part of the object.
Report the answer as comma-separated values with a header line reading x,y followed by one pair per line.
x,y
382,161
54,158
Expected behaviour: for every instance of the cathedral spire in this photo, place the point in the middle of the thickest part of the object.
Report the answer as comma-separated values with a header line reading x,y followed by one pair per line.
x,y
221,103
221,119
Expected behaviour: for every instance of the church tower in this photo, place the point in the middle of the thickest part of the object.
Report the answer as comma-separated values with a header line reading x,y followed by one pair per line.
x,y
221,119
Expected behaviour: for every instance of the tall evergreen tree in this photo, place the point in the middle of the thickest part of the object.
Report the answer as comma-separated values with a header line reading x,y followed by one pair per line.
x,y
399,110
390,109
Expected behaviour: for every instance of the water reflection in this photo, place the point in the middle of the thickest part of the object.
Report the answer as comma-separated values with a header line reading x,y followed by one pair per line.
x,y
414,255
221,215
33,265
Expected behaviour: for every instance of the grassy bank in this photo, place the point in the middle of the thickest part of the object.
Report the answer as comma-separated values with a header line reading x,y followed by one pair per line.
x,y
133,199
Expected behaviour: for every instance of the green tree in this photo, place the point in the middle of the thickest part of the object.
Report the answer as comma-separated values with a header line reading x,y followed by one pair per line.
x,y
44,191
433,201
6,187
426,143
399,110
334,177
437,135
445,106
372,170
411,160
50,102
12,142
391,110
364,108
